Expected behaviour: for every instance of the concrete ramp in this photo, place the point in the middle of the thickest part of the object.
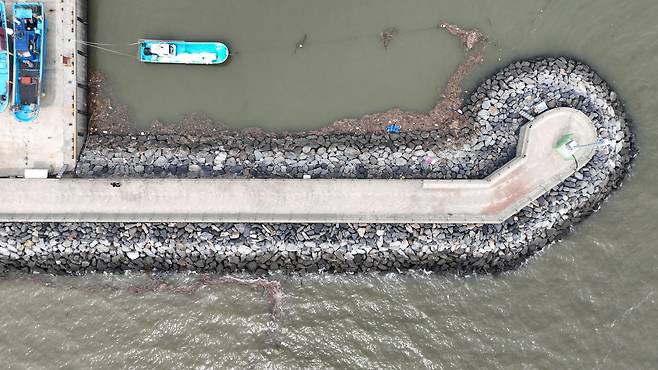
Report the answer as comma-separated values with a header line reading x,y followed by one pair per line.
x,y
537,167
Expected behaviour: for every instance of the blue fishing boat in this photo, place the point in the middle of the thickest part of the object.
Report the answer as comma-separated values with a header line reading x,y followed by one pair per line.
x,y
4,59
29,50
182,52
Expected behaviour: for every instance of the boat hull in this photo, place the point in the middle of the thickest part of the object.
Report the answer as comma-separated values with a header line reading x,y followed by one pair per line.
x,y
29,56
182,52
4,59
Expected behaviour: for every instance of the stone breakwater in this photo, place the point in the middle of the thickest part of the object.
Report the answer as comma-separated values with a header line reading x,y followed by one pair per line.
x,y
407,155
496,110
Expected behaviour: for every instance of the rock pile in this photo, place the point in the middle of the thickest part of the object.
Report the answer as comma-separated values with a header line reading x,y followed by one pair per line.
x,y
496,109
407,155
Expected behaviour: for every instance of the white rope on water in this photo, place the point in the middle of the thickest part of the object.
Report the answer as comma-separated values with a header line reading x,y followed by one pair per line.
x,y
99,47
106,44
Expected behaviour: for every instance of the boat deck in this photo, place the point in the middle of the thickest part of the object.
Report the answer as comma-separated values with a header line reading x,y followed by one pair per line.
x,y
4,64
52,141
30,93
27,94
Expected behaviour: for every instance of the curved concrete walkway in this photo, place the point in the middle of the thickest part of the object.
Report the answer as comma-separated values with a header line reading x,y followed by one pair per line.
x,y
537,168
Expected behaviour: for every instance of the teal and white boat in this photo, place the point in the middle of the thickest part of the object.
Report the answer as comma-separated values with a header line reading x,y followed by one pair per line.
x,y
4,59
29,49
182,52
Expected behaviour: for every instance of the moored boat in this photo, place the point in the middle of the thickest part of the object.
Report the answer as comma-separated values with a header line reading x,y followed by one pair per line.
x,y
29,50
182,52
4,59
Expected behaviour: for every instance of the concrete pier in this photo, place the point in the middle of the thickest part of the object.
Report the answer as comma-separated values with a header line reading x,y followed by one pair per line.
x,y
536,169
54,140
347,241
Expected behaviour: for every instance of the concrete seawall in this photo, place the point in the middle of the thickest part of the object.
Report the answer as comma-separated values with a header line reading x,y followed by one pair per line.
x,y
260,247
536,168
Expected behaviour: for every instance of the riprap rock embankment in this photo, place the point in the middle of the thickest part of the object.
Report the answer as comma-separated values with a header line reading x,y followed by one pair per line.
x,y
496,110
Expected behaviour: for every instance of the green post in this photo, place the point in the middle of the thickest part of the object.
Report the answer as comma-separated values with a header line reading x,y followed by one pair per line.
x,y
566,146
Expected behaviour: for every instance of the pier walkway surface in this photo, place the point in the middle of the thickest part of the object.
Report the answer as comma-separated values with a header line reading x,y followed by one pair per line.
x,y
53,140
537,167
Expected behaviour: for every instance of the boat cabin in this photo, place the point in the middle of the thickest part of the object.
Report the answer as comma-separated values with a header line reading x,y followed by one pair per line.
x,y
161,50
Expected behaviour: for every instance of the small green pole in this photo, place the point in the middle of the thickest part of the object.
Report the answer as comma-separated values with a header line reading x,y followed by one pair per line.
x,y
565,146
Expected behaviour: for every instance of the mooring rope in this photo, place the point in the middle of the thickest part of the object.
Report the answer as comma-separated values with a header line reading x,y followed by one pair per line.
x,y
106,44
99,47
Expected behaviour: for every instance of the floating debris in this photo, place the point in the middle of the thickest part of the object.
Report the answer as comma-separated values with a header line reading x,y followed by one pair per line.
x,y
386,36
469,38
393,129
158,284
448,111
300,44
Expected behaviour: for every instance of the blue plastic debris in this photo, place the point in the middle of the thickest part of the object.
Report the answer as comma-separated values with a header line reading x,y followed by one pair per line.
x,y
393,129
